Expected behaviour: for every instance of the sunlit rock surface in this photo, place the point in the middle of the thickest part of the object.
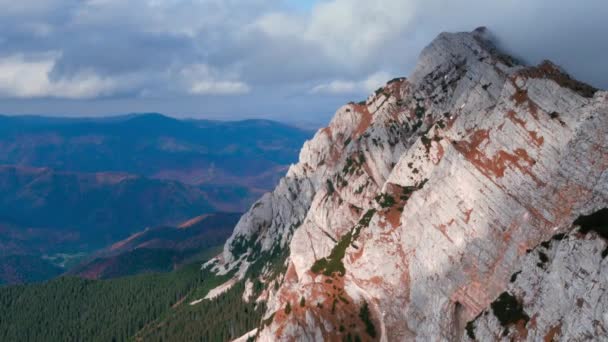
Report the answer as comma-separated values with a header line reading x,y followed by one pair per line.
x,y
407,216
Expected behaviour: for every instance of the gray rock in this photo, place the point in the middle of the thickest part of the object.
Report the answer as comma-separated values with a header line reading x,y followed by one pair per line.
x,y
423,200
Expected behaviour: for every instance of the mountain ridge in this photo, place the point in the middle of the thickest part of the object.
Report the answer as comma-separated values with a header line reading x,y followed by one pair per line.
x,y
407,216
465,203
152,144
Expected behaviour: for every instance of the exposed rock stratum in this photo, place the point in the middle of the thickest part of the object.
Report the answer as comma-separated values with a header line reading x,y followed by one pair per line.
x,y
462,203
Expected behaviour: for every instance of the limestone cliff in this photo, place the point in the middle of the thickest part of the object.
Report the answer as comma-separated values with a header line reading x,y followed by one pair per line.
x,y
406,218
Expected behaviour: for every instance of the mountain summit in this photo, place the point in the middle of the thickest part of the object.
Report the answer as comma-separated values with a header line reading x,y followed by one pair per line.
x,y
463,203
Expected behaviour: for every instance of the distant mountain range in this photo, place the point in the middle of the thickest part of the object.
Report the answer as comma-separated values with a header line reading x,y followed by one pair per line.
x,y
72,186
252,153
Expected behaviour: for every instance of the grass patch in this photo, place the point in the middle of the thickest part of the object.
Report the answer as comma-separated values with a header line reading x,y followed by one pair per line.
x,y
365,316
397,79
508,310
333,262
407,191
268,321
543,259
470,328
597,222
288,308
353,163
364,221
420,110
385,200
330,188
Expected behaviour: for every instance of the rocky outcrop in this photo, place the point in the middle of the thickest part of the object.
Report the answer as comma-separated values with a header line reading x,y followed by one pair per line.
x,y
407,216
559,293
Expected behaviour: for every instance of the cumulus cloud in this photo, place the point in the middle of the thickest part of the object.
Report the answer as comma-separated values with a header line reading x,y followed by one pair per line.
x,y
201,79
218,88
36,76
265,50
22,77
367,85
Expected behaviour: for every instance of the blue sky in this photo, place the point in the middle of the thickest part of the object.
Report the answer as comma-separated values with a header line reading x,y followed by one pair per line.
x,y
290,60
303,5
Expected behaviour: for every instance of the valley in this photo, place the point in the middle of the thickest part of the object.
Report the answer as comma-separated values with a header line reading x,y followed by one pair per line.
x,y
69,188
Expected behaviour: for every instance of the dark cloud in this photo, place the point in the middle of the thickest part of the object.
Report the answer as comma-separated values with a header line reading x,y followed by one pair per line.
x,y
112,51
186,57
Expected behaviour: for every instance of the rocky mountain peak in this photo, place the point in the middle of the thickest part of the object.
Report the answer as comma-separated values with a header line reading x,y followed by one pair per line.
x,y
408,215
450,50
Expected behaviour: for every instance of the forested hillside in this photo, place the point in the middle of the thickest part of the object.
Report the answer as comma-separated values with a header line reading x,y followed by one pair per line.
x,y
74,309
161,249
223,318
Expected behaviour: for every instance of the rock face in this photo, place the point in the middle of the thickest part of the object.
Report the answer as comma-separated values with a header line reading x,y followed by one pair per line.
x,y
559,293
406,218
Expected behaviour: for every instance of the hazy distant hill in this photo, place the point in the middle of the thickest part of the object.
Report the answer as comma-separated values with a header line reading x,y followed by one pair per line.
x,y
17,269
250,153
72,186
162,249
86,210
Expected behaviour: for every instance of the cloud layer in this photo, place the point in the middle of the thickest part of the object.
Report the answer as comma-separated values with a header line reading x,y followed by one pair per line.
x,y
275,57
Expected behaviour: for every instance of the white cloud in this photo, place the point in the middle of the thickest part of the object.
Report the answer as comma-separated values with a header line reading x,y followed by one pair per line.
x,y
279,24
339,87
357,28
22,77
219,88
28,7
202,79
336,87
349,32
33,76
139,48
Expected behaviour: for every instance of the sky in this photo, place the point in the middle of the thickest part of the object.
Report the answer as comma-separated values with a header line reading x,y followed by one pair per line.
x,y
289,60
